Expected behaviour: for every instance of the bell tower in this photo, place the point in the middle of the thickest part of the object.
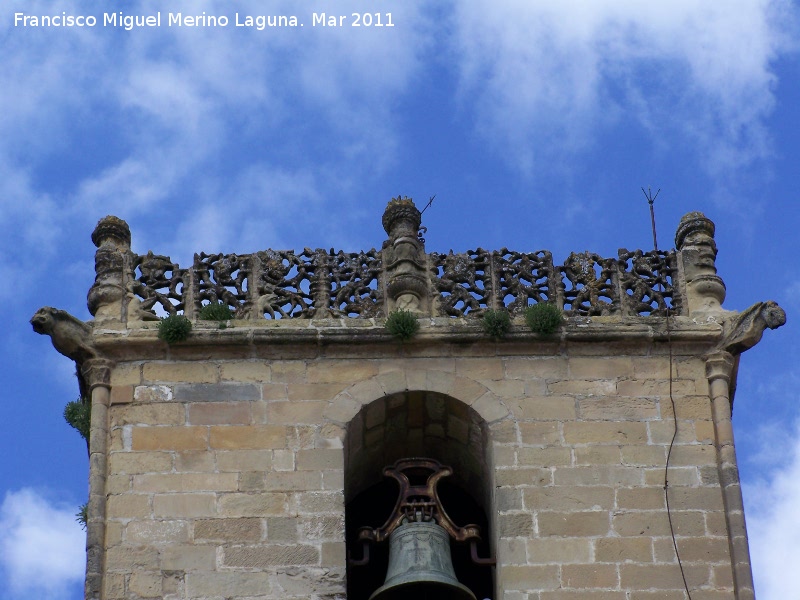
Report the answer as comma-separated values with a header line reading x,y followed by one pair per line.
x,y
372,424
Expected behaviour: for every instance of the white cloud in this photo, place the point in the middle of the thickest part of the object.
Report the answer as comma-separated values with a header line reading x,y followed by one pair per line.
x,y
549,76
42,548
773,522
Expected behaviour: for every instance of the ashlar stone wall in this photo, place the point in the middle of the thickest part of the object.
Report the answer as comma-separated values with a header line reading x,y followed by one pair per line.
x,y
226,475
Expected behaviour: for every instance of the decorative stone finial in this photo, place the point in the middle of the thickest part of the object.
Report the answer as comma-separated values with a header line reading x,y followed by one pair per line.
x,y
694,223
112,229
705,290
404,257
401,217
112,236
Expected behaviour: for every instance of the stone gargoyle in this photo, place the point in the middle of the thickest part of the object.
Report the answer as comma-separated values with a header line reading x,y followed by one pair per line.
x,y
744,331
70,336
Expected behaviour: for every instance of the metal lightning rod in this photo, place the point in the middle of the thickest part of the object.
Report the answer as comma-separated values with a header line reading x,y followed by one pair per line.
x,y
651,199
423,230
428,204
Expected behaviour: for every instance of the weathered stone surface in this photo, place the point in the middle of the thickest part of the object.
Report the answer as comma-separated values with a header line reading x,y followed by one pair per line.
x,y
302,582
227,584
574,524
576,498
127,559
152,393
157,532
188,557
219,413
145,585
169,438
148,414
559,551
140,462
236,461
589,576
515,524
220,465
291,413
184,505
530,577
621,550
595,432
252,505
230,529
121,394
126,374
251,371
543,408
341,371
217,392
262,557
185,482
241,437
199,372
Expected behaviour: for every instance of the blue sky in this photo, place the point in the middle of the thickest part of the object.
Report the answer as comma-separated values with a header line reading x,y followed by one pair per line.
x,y
534,123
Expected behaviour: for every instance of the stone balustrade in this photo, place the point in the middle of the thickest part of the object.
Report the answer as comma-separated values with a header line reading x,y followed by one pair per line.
x,y
313,284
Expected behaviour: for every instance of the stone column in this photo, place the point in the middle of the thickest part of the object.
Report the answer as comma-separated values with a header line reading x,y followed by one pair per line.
x,y
705,290
404,259
107,297
320,287
97,374
719,367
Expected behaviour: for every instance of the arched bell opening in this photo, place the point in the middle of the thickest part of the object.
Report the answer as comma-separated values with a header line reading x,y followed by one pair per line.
x,y
407,425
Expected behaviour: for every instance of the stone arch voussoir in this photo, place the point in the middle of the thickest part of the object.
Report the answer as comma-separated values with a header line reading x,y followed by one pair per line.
x,y
346,405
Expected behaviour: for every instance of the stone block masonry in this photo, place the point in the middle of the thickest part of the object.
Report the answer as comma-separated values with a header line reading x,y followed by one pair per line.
x,y
241,462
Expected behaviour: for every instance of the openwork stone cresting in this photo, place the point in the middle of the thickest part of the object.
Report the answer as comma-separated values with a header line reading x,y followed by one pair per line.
x,y
284,284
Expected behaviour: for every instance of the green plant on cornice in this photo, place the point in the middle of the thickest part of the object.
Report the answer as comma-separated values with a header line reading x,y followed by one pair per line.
x,y
544,318
78,414
82,516
215,311
174,328
402,324
496,323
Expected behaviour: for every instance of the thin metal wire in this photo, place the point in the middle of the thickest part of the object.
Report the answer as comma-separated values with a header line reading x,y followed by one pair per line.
x,y
669,454
651,199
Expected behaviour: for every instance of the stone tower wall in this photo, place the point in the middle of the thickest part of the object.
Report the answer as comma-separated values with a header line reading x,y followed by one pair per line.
x,y
227,465
226,476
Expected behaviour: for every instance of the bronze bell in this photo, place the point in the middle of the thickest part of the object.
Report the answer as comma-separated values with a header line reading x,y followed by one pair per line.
x,y
420,566
419,532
